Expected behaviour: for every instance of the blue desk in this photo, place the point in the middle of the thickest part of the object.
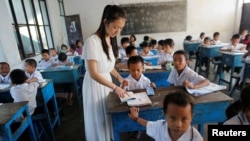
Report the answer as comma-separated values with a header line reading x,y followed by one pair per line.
x,y
208,108
233,60
191,47
9,113
159,77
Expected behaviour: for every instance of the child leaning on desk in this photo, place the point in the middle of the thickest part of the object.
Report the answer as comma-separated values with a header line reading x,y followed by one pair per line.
x,y
178,110
4,72
183,75
46,61
30,70
167,54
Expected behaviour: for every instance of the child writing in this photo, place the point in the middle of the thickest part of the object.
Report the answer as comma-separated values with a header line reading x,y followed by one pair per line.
x,y
53,54
136,78
124,45
30,70
178,109
22,91
168,51
46,61
145,49
130,51
4,72
242,109
72,51
234,45
183,75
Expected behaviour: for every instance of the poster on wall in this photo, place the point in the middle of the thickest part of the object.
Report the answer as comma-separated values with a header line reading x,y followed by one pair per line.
x,y
73,27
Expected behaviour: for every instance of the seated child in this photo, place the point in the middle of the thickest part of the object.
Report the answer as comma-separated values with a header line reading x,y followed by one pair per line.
x,y
234,45
130,51
79,45
241,111
132,40
202,37
64,48
30,70
63,60
136,78
247,39
72,51
53,54
22,91
206,42
216,37
46,61
145,49
124,45
178,110
245,57
159,47
168,51
153,43
183,75
4,72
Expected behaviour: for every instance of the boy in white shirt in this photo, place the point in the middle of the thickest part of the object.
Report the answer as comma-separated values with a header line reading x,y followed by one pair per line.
x,y
183,75
53,54
234,45
178,110
145,49
216,37
46,61
124,45
168,51
4,72
130,51
136,78
30,70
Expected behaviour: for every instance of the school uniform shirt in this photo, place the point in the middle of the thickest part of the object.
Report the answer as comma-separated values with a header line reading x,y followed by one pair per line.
x,y
187,74
46,64
25,92
237,47
36,74
122,52
239,119
5,79
54,58
72,54
164,57
158,130
218,42
142,83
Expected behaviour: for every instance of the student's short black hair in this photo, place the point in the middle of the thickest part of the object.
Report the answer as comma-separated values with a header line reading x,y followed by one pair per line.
x,y
4,63
160,42
216,34
129,49
124,40
45,51
168,42
63,45
73,47
135,59
236,36
245,98
181,52
62,56
145,38
132,35
77,41
188,38
18,76
144,44
153,42
206,38
178,97
202,33
31,62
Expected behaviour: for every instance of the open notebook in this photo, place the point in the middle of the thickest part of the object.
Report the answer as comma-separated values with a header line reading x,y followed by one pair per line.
x,y
137,99
212,87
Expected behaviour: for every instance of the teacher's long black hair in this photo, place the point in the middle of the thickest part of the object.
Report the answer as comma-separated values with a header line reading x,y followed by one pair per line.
x,y
110,14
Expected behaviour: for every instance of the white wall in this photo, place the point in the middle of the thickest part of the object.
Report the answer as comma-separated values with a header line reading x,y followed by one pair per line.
x,y
202,16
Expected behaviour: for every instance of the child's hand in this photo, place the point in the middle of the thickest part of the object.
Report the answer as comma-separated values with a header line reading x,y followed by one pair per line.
x,y
124,83
188,84
134,113
153,85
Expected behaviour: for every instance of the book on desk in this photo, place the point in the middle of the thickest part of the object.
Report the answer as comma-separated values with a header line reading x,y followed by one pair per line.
x,y
212,87
136,99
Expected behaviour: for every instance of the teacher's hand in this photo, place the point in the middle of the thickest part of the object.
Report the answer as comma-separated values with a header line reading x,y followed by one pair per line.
x,y
120,92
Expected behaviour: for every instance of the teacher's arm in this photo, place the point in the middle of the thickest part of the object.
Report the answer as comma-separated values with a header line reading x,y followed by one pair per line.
x,y
92,65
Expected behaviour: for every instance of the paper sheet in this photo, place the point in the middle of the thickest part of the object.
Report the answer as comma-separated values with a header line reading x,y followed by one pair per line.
x,y
212,87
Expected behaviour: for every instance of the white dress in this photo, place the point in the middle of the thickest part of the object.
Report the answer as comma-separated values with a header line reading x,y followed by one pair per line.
x,y
97,121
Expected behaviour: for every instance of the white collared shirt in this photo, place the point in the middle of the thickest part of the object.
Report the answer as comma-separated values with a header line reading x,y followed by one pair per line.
x,y
46,64
72,54
239,119
164,57
158,130
25,92
143,83
36,74
187,74
54,58
5,79
122,53
231,47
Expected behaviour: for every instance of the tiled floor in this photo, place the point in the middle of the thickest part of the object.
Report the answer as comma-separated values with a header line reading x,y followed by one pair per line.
x,y
72,122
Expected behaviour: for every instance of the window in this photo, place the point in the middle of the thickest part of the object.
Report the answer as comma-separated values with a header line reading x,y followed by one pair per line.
x,y
31,26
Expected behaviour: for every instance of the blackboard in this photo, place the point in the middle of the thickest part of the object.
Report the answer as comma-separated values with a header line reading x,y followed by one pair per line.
x,y
245,22
73,27
155,17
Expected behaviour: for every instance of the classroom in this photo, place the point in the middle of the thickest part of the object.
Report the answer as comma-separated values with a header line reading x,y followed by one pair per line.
x,y
167,32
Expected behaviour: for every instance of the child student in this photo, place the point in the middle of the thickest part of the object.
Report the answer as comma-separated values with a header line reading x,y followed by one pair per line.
x,y
4,72
72,51
145,49
22,91
153,43
168,51
64,48
46,61
79,47
183,75
124,45
53,54
242,109
136,79
216,40
159,47
247,39
132,40
245,57
63,60
202,36
130,51
178,109
206,42
30,70
234,45
243,35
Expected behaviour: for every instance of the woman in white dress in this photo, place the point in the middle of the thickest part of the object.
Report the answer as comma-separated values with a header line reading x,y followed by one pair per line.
x,y
100,52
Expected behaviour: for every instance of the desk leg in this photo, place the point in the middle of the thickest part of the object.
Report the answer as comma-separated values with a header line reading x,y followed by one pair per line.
x,y
201,129
116,135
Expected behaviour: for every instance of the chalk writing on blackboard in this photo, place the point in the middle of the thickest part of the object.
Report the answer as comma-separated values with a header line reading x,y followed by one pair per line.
x,y
155,17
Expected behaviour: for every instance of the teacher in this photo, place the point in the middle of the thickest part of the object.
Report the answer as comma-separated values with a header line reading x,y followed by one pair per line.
x,y
100,52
